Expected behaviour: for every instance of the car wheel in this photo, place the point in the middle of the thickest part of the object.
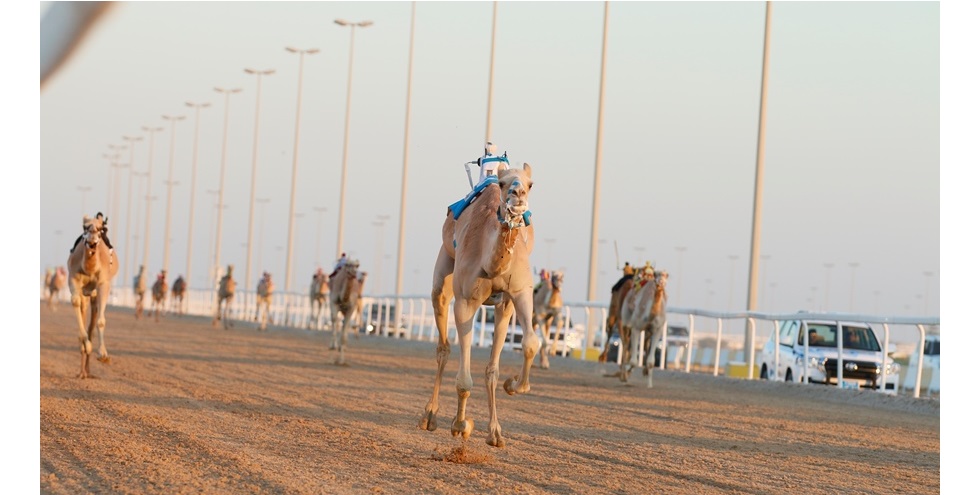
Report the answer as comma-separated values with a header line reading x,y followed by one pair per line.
x,y
764,372
788,376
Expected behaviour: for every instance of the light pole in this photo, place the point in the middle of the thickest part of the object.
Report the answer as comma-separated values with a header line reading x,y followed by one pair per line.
x,y
192,189
253,174
828,272
320,210
212,271
169,183
223,171
380,222
128,209
84,193
348,108
294,167
490,80
260,233
852,285
597,182
114,167
148,194
297,216
405,166
680,276
139,217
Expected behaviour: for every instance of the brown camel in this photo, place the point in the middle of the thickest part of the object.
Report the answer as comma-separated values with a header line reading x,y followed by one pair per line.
x,y
138,287
652,325
91,268
319,296
345,298
265,289
638,302
55,284
178,295
484,259
547,309
160,289
224,297
619,293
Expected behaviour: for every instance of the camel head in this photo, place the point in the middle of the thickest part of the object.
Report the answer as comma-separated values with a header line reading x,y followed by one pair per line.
x,y
351,268
556,278
661,276
515,185
229,270
92,231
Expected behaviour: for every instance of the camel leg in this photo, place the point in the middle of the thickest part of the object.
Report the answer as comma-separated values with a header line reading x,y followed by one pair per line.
x,y
545,328
558,332
463,311
442,294
334,325
343,339
502,315
523,305
101,300
625,336
226,314
78,302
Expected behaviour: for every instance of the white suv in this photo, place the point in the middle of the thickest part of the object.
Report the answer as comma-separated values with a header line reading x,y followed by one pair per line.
x,y
862,355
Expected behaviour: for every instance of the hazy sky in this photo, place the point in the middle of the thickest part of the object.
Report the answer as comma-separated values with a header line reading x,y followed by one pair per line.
x,y
852,167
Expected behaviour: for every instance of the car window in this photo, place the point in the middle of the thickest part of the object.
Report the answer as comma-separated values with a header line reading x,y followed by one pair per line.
x,y
931,348
860,338
789,332
820,335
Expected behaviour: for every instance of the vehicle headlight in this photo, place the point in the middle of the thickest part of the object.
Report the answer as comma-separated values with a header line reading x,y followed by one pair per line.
x,y
815,362
892,368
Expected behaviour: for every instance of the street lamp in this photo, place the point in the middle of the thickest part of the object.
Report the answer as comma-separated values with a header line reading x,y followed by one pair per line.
x,y
294,167
223,171
490,79
128,209
148,193
297,216
260,233
597,182
348,107
405,166
192,188
169,183
212,271
320,210
138,214
84,193
253,174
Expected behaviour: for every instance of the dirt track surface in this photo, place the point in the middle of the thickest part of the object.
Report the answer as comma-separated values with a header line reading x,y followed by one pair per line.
x,y
184,407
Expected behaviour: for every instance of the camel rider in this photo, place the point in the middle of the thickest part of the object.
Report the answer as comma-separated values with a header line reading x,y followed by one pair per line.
x,y
627,273
338,265
104,235
544,276
489,163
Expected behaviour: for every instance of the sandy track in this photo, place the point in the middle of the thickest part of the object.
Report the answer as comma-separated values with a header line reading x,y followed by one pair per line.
x,y
188,408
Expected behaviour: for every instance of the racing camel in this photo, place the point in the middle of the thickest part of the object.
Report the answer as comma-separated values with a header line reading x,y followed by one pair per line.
x,y
344,298
178,295
139,284
91,269
224,296
55,284
547,309
265,289
160,289
484,259
319,297
652,324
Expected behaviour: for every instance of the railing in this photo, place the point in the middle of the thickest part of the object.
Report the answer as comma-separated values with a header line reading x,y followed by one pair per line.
x,y
416,322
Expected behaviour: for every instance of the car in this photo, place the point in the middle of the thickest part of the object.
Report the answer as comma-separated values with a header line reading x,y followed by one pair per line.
x,y
377,323
677,336
569,339
862,355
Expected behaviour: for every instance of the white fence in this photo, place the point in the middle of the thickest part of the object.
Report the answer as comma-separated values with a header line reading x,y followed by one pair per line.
x,y
720,340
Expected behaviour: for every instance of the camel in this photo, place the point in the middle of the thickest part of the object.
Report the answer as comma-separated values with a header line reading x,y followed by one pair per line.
x,y
160,289
345,297
224,296
547,309
178,295
642,312
484,259
265,289
319,296
91,269
55,284
138,287
621,290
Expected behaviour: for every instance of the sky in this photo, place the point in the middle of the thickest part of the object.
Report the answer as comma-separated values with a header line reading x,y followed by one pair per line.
x,y
851,156
858,115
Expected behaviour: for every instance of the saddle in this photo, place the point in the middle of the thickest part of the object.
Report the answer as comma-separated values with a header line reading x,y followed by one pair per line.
x,y
458,207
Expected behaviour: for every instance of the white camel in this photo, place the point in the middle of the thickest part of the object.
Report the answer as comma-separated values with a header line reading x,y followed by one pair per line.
x,y
91,269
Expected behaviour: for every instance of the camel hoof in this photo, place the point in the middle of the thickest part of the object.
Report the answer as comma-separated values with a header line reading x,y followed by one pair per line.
x,y
105,359
462,428
495,441
428,422
509,386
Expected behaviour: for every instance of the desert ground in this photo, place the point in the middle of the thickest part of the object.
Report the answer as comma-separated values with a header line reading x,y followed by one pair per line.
x,y
186,407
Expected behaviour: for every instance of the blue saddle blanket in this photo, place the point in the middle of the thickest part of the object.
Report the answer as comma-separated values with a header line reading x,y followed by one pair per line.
x,y
458,207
